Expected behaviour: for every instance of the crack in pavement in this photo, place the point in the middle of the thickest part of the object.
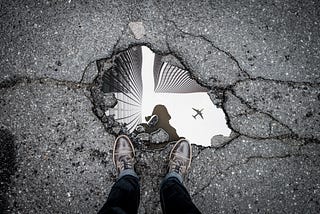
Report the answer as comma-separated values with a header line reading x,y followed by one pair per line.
x,y
244,161
253,110
77,85
235,60
43,80
288,82
114,52
248,76
80,84
212,44
85,71
230,88
114,49
293,134
261,112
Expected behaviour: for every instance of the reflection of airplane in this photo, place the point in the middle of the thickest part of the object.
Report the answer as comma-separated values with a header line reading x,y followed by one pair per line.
x,y
198,113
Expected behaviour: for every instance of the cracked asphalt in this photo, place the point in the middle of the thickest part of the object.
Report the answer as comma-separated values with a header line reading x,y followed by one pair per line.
x,y
260,60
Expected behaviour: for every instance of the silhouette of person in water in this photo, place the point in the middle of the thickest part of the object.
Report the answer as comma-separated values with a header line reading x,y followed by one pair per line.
x,y
163,122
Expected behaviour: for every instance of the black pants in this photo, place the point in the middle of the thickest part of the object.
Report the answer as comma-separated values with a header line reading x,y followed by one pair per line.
x,y
124,197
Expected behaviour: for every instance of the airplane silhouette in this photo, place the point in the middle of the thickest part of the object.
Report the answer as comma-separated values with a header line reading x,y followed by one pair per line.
x,y
199,112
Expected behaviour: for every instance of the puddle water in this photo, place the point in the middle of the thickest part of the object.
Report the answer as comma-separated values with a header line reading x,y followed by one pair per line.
x,y
145,86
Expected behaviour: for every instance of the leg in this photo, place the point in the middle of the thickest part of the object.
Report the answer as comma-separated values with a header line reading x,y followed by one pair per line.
x,y
174,196
124,196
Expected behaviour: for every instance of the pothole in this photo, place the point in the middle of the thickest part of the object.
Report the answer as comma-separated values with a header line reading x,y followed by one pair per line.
x,y
158,101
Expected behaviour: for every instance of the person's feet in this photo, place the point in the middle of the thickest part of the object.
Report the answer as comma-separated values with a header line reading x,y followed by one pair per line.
x,y
180,157
123,154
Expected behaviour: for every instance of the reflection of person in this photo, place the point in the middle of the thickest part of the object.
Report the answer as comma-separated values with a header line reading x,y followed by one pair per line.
x,y
124,196
163,122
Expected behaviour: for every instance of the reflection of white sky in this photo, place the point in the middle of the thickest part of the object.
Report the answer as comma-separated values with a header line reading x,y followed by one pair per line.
x,y
198,131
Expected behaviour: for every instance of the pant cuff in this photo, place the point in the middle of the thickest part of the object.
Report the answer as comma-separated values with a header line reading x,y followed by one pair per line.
x,y
174,175
128,172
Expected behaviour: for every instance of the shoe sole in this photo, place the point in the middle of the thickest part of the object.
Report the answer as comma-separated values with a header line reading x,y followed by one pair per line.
x,y
114,147
190,151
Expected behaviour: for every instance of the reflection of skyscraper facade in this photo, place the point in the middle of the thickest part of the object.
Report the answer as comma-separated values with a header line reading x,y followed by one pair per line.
x,y
124,79
171,79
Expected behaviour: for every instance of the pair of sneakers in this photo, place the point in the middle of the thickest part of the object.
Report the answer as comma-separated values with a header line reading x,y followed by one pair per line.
x,y
179,158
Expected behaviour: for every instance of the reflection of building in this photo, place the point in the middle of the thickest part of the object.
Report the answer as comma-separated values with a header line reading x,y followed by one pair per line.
x,y
171,79
125,80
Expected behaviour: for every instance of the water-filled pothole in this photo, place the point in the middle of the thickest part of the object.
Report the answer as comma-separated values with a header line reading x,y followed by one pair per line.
x,y
147,84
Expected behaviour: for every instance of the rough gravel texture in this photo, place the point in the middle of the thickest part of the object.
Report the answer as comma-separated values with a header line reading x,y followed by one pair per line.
x,y
259,59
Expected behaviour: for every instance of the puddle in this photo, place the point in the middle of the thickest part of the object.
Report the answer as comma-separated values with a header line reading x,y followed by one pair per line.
x,y
146,86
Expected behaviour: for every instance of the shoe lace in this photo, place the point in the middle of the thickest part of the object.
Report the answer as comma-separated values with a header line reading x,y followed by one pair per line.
x,y
177,165
125,162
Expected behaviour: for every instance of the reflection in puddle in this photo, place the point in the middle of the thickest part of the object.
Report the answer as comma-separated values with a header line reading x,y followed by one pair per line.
x,y
145,86
158,126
